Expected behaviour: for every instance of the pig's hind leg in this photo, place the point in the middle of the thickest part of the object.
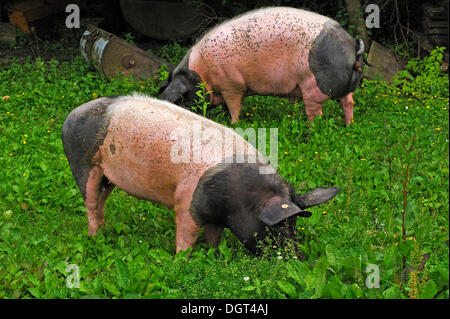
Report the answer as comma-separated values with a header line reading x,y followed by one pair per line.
x,y
98,189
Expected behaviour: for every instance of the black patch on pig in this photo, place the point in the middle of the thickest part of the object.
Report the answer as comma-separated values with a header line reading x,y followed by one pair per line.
x,y
83,131
332,60
233,195
181,83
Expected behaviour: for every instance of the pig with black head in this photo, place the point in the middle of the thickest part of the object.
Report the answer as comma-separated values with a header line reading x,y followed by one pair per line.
x,y
219,180
278,51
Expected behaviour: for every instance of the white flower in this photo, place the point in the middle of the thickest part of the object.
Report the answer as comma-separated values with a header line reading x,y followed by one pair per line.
x,y
280,257
246,278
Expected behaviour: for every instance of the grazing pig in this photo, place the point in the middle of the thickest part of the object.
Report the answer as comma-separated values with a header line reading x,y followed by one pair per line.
x,y
273,51
134,143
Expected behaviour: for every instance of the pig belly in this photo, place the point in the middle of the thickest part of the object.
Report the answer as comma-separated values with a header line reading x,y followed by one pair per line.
x,y
151,182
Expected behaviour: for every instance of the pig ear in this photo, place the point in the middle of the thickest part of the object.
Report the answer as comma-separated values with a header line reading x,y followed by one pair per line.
x,y
275,213
315,197
174,90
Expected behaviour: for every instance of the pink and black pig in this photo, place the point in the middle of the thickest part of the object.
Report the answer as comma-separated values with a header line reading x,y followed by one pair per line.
x,y
133,142
272,51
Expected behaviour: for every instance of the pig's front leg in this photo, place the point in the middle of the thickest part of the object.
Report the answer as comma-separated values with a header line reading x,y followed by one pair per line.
x,y
233,99
347,105
313,99
187,230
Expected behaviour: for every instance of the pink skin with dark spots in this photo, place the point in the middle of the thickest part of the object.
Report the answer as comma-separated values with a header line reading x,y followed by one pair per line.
x,y
263,52
136,157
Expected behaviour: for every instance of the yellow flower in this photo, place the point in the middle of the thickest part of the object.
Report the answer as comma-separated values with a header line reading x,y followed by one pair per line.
x,y
95,95
23,93
300,160
24,142
363,159
247,114
10,154
303,228
324,212
254,108
24,174
316,153
438,128
48,131
289,115
427,106
143,218
286,153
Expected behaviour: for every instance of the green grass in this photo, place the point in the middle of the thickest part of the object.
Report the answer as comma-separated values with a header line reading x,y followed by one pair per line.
x,y
43,224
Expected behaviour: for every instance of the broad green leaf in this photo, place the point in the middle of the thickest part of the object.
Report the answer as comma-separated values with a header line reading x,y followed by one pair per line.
x,y
111,288
298,271
392,292
334,257
122,274
390,256
35,292
287,288
429,290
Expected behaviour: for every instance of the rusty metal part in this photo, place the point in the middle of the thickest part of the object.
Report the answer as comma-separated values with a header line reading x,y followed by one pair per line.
x,y
164,20
111,55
